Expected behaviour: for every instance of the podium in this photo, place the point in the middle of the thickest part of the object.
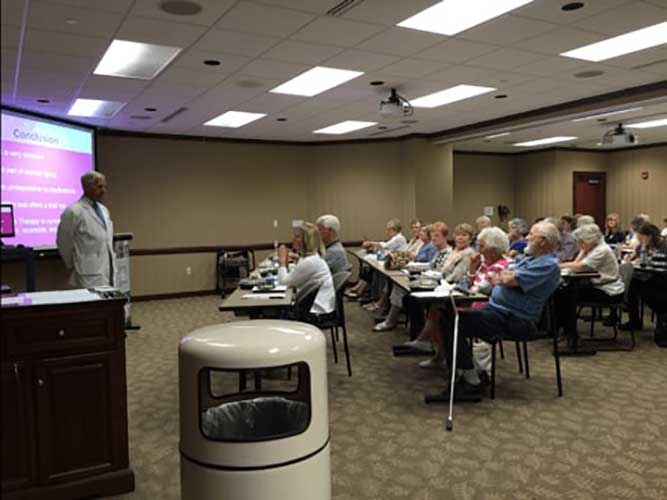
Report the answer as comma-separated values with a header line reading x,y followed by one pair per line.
x,y
121,246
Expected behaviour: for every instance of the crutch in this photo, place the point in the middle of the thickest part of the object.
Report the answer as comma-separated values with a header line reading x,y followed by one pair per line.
x,y
450,419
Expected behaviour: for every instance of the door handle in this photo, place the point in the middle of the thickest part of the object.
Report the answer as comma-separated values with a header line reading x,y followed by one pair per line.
x,y
17,373
40,382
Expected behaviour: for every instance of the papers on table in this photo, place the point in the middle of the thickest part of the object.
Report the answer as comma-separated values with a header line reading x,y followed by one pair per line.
x,y
12,301
277,288
263,296
417,266
57,297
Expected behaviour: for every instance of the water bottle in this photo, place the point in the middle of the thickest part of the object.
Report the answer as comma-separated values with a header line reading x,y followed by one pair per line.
x,y
643,259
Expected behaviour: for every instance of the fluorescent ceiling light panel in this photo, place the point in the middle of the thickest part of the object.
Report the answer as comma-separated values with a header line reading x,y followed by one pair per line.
x,y
502,134
93,108
450,17
315,81
548,140
661,122
127,59
622,44
344,127
604,115
234,119
450,95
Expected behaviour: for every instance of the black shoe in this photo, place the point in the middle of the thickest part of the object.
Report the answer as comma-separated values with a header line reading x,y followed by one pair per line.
x,y
627,327
464,392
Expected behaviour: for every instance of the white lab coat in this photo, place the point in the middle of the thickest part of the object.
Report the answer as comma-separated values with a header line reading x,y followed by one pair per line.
x,y
86,246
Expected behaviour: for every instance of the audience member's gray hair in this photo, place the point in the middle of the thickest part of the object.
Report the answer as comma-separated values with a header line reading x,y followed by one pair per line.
x,y
90,178
549,231
588,233
495,238
585,220
482,218
329,222
554,221
518,224
394,224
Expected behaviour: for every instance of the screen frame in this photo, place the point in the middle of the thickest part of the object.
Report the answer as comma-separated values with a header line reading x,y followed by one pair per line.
x,y
31,115
11,209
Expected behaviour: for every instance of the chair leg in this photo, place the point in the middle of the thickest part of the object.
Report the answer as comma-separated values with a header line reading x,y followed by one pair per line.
x,y
333,345
493,371
593,313
337,337
559,381
518,357
502,352
347,351
525,358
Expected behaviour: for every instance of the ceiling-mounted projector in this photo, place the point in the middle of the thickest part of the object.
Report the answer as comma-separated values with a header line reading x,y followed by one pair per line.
x,y
617,137
395,105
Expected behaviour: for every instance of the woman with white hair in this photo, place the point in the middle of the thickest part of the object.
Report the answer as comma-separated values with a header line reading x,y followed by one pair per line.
x,y
594,255
517,235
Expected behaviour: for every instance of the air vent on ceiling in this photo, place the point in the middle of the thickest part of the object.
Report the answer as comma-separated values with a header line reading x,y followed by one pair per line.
x,y
343,7
140,117
387,131
652,63
173,115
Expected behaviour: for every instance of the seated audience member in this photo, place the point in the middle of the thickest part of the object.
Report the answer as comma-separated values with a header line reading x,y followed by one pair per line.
x,y
568,223
584,220
310,268
664,229
631,240
481,223
335,255
613,232
594,255
515,306
415,242
566,249
493,245
649,241
395,242
439,233
427,251
517,230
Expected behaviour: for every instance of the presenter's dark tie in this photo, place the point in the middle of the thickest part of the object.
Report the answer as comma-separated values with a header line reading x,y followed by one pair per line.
x,y
98,211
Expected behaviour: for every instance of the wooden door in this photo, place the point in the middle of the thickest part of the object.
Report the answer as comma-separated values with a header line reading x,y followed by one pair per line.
x,y
18,436
74,415
589,195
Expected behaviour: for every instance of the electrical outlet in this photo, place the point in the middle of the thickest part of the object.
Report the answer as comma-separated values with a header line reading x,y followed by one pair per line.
x,y
188,270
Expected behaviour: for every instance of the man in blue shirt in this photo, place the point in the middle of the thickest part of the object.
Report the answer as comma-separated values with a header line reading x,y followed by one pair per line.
x,y
516,304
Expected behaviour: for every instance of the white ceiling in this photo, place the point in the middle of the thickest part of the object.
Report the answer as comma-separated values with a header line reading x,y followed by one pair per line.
x,y
262,43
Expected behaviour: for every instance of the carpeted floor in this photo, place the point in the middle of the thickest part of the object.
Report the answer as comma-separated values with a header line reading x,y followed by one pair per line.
x,y
605,439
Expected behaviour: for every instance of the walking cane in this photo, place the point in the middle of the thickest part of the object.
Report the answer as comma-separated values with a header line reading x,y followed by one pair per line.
x,y
450,419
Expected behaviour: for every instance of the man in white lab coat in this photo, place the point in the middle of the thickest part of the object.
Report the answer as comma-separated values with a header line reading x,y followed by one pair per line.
x,y
85,236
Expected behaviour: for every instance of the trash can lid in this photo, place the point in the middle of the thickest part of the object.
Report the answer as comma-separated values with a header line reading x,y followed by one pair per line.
x,y
245,344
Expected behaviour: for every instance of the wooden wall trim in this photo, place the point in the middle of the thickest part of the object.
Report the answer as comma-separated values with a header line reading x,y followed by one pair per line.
x,y
214,249
176,295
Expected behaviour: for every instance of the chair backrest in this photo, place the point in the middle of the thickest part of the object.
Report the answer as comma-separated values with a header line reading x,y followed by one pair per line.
x,y
305,297
340,279
625,269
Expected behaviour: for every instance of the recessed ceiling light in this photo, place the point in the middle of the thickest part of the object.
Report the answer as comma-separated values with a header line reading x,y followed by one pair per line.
x,y
94,108
150,110
493,136
234,119
127,59
548,140
212,62
344,127
622,44
382,127
376,83
500,96
410,122
315,81
447,96
602,115
450,17
660,122
281,119
589,74
180,7
43,101
572,6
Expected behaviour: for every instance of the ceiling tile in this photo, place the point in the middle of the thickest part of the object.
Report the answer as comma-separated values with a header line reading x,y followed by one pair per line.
x,y
456,51
560,40
176,89
551,66
120,6
400,42
360,60
53,17
315,6
57,62
411,68
263,19
210,13
336,31
549,10
53,78
625,18
110,88
235,42
271,103
535,86
505,59
387,12
194,59
301,52
641,61
506,29
9,36
186,75
12,12
65,43
273,69
139,29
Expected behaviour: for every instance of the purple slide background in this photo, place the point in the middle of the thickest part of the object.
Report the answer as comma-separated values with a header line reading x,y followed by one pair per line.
x,y
40,182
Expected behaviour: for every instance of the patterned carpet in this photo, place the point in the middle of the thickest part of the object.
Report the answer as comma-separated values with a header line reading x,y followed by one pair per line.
x,y
605,439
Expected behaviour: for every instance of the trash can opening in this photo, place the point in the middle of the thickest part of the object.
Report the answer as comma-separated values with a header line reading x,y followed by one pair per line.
x,y
257,404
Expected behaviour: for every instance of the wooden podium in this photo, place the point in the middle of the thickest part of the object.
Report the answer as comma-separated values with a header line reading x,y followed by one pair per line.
x,y
64,401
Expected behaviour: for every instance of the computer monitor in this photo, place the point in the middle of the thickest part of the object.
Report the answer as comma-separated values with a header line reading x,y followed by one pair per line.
x,y
7,221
